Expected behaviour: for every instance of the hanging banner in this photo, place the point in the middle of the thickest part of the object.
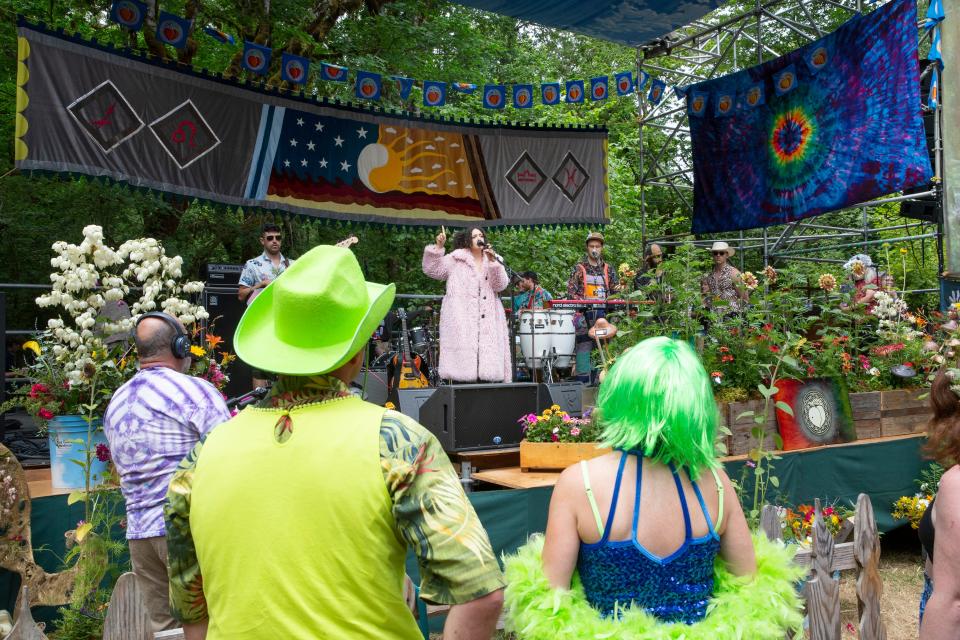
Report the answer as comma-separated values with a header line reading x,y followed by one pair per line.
x,y
84,109
836,123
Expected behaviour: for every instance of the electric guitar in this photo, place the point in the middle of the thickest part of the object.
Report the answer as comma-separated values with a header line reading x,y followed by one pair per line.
x,y
409,374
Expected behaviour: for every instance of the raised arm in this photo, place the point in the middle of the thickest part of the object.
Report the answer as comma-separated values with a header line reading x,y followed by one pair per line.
x,y
435,262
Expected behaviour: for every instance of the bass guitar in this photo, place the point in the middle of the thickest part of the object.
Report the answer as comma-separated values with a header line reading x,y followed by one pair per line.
x,y
408,367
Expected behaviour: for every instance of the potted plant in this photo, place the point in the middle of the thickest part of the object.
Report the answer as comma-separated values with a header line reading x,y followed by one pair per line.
x,y
555,440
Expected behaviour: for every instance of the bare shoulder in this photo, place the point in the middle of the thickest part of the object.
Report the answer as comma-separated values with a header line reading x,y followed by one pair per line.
x,y
950,485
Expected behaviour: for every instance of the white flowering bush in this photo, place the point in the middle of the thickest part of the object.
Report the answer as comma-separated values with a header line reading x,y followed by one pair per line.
x,y
89,275
895,323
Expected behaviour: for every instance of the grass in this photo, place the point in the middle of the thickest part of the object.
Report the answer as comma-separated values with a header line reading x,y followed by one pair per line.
x,y
902,573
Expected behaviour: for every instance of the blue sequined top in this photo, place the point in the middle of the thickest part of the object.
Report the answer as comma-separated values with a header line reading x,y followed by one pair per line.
x,y
673,589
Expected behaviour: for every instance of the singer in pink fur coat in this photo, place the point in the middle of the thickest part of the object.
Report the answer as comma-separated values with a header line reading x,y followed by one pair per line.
x,y
474,341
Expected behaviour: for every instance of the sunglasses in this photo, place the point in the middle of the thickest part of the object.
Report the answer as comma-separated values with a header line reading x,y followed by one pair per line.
x,y
719,253
273,237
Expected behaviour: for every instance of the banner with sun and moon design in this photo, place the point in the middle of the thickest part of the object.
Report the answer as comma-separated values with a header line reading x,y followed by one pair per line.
x,y
833,124
86,109
820,413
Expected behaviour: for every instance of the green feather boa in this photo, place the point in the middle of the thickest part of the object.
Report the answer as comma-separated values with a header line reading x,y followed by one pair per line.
x,y
764,607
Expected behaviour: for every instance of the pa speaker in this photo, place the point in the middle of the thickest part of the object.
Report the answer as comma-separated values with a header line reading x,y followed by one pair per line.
x,y
567,395
465,417
409,402
926,208
373,384
225,310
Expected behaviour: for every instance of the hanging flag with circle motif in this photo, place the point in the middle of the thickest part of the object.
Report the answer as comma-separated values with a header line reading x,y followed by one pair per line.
x,y
464,87
624,82
724,103
494,96
294,68
697,103
642,79
657,87
550,93
333,72
434,93
522,96
129,14
404,86
256,58
754,96
574,91
173,30
368,85
599,87
680,92
933,100
936,52
785,80
817,58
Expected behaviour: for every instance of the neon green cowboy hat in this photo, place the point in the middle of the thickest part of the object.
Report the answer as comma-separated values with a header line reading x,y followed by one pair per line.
x,y
314,317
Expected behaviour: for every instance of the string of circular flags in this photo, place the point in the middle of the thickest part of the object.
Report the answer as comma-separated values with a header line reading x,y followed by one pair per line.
x,y
174,30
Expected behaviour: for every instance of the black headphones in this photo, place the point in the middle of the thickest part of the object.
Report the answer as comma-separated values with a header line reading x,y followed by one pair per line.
x,y
180,344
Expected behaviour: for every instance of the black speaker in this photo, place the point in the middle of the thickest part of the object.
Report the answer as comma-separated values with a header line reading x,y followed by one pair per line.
x,y
223,275
568,395
373,382
478,416
410,402
225,311
927,208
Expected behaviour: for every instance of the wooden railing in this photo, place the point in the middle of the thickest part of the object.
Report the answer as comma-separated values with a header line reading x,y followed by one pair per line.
x,y
821,591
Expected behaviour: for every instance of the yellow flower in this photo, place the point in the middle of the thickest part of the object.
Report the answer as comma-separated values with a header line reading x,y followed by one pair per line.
x,y
555,407
32,345
197,352
547,413
903,251
389,405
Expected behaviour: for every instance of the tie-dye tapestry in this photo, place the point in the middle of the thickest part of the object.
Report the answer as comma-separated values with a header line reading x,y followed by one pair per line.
x,y
87,109
832,124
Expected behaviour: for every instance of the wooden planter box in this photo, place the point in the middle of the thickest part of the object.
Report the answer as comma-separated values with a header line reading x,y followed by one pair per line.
x,y
542,456
741,441
902,412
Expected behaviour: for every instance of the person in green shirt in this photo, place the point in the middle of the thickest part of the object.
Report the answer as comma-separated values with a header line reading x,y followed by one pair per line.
x,y
293,519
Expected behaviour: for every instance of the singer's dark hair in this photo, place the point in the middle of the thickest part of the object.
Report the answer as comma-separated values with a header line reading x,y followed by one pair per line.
x,y
461,239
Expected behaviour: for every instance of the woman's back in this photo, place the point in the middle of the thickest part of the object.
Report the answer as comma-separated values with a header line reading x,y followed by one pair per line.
x,y
657,552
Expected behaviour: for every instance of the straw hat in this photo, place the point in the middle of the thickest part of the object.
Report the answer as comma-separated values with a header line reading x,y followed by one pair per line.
x,y
722,246
314,317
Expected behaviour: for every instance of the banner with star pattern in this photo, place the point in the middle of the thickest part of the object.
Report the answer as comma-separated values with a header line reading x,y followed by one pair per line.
x,y
832,124
83,108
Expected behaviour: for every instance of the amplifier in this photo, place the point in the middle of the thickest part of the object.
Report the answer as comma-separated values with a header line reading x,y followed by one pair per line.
x,y
465,417
223,275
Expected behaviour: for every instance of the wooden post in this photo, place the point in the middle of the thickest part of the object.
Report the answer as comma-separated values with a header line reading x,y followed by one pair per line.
x,y
821,591
25,627
127,617
866,549
770,523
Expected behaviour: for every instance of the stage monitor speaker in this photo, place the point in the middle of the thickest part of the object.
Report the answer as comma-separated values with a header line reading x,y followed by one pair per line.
x,y
225,311
465,417
567,395
373,382
410,402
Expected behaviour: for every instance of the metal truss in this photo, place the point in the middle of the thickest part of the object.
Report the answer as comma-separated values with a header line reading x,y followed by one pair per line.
x,y
725,42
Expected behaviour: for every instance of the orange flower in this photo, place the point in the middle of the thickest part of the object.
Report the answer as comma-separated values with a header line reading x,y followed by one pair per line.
x,y
213,341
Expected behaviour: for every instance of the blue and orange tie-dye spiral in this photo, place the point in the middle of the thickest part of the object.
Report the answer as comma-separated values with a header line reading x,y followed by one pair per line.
x,y
843,128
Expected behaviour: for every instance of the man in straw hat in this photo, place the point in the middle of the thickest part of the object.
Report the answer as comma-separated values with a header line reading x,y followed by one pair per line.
x,y
722,288
591,279
293,519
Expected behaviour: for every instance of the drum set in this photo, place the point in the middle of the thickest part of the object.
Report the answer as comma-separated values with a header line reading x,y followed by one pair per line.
x,y
547,340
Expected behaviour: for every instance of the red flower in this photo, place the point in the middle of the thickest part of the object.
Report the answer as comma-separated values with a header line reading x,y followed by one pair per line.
x,y
774,348
724,349
45,413
103,453
768,327
726,359
811,371
908,364
554,437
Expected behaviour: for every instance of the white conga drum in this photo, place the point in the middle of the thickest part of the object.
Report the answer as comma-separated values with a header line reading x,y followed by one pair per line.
x,y
535,337
563,337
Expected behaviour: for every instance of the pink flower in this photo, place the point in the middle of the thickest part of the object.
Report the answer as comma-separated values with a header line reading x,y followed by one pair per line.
x,y
575,431
554,437
103,452
751,464
37,389
45,413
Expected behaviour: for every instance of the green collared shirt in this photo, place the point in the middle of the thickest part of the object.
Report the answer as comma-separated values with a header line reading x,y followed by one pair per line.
x,y
431,511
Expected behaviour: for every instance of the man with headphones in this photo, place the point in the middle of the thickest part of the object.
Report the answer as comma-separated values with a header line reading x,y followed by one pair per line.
x,y
151,423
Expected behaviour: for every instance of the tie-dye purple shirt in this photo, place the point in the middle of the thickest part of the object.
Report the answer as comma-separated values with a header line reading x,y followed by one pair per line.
x,y
152,423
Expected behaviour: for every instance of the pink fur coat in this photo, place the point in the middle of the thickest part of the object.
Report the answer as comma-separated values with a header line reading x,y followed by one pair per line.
x,y
474,341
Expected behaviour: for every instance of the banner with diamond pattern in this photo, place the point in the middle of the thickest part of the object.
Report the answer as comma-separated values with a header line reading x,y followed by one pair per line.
x,y
87,109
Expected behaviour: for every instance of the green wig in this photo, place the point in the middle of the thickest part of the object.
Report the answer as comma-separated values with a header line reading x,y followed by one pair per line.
x,y
657,400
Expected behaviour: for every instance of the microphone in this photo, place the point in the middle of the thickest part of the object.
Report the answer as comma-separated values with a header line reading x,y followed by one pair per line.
x,y
248,398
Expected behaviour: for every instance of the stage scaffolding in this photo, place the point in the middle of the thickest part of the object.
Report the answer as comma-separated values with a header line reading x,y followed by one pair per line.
x,y
731,39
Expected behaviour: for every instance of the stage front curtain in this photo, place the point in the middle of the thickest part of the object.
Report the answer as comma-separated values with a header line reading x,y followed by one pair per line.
x,y
86,109
834,123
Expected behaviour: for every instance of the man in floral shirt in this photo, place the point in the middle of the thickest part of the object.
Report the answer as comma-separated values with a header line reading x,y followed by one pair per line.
x,y
293,519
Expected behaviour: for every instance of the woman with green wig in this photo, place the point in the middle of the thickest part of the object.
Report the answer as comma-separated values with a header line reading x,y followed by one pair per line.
x,y
650,540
